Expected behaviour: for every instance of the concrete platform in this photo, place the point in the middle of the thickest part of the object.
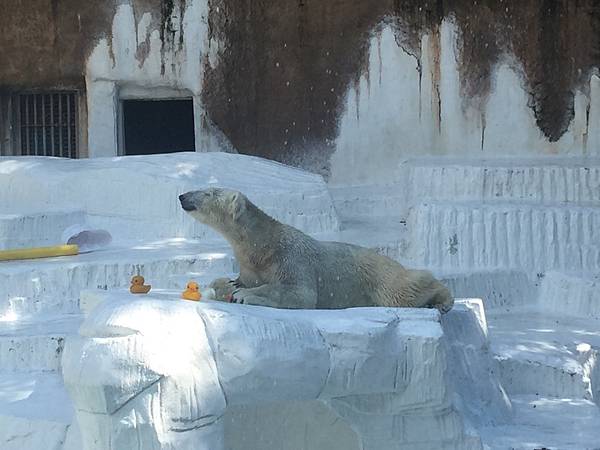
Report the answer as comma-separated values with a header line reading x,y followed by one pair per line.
x,y
35,345
35,412
533,181
573,294
545,354
207,366
474,236
547,423
497,288
52,286
355,202
135,197
36,229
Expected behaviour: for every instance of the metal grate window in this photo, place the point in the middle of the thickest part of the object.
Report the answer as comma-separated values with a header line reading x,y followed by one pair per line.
x,y
48,124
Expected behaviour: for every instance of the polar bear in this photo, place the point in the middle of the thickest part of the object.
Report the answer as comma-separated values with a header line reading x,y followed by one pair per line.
x,y
284,268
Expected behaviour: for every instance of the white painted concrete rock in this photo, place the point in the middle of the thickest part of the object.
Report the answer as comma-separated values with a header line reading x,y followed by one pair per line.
x,y
474,236
160,373
570,294
36,229
471,366
526,181
135,197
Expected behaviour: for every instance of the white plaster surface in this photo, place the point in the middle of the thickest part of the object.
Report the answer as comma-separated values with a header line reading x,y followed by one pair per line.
x,y
35,411
35,345
474,236
552,423
471,365
571,294
394,113
41,229
52,286
353,202
103,115
496,288
528,181
163,373
135,198
135,60
533,345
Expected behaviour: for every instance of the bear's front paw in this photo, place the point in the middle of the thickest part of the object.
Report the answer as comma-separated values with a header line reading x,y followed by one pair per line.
x,y
223,289
238,296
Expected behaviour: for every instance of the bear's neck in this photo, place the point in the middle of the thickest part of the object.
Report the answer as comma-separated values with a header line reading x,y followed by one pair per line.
x,y
253,234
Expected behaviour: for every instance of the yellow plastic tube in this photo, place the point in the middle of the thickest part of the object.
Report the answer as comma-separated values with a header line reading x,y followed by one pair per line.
x,y
40,252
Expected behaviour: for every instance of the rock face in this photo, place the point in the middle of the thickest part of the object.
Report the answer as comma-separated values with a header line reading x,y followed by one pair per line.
x,y
159,373
471,366
135,198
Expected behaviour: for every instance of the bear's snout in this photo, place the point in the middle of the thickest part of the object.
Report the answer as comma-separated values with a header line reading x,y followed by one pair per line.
x,y
186,202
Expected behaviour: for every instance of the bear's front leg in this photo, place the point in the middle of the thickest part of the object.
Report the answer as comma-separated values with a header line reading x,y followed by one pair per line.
x,y
277,296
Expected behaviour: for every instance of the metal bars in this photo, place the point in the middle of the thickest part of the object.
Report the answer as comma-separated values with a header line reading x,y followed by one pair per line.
x,y
48,124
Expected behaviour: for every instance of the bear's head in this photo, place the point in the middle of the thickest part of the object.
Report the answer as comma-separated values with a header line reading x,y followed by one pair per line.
x,y
217,208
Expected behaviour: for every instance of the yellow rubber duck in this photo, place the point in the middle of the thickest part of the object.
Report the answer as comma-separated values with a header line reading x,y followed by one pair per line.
x,y
192,292
138,286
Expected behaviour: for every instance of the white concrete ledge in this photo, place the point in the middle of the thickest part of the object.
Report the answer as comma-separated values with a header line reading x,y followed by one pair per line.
x,y
36,229
161,373
534,181
135,197
474,237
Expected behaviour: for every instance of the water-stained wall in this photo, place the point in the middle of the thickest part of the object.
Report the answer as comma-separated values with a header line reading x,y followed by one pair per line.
x,y
345,87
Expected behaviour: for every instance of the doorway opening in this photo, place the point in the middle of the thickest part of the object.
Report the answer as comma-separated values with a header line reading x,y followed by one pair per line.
x,y
158,126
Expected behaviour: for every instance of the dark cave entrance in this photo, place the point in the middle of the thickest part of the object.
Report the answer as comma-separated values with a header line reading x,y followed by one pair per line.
x,y
158,126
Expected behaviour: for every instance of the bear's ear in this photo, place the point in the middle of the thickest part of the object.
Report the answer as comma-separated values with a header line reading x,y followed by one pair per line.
x,y
237,205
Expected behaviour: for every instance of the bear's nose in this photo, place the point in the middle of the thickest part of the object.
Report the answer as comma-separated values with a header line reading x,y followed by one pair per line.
x,y
186,204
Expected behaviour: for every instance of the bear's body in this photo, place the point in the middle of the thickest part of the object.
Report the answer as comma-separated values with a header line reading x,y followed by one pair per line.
x,y
282,267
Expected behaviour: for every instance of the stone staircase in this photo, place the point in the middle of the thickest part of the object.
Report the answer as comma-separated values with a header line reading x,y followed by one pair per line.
x,y
524,236
547,181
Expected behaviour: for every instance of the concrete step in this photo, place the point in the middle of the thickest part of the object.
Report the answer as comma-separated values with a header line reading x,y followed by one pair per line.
x,y
522,181
471,236
354,202
34,287
558,181
497,288
571,294
135,197
547,423
544,354
470,365
35,345
36,229
35,412
386,235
